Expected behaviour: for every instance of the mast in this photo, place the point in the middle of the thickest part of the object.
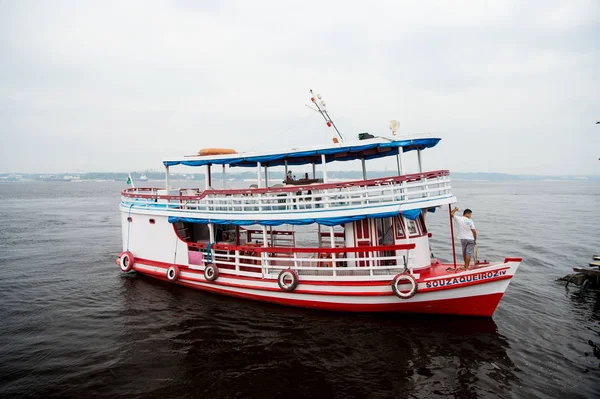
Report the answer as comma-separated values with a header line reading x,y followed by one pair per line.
x,y
323,111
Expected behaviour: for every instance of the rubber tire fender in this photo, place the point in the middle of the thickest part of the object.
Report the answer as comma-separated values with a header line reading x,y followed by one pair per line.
x,y
173,273
287,274
126,261
211,272
405,277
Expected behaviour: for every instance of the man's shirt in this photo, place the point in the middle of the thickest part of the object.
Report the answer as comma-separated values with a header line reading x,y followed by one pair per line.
x,y
464,226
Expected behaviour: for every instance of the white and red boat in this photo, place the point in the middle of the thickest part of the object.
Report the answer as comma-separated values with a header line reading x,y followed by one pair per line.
x,y
359,245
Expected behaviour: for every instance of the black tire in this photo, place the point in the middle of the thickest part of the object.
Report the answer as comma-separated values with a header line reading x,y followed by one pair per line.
x,y
285,276
173,273
211,272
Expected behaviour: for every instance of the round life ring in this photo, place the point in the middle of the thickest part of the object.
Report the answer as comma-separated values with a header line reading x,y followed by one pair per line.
x,y
173,273
126,261
398,280
211,272
288,280
216,151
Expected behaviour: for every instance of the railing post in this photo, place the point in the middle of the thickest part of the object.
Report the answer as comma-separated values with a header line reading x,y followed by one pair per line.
x,y
332,243
237,261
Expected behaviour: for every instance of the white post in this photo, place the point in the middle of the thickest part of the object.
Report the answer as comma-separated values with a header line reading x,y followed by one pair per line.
x,y
211,235
258,177
332,242
207,178
398,164
224,179
314,170
264,257
364,168
266,177
286,170
402,171
407,234
167,177
401,160
324,168
211,232
421,171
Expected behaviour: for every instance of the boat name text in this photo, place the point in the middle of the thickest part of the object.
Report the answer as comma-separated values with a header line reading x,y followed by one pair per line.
x,y
465,279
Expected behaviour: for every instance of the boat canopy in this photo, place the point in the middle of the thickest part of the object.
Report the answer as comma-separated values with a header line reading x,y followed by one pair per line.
x,y
368,149
411,214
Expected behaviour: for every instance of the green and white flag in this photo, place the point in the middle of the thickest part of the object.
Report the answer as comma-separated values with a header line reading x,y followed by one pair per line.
x,y
130,180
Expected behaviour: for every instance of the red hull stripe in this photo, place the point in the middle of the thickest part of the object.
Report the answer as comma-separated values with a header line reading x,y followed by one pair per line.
x,y
481,305
165,265
299,290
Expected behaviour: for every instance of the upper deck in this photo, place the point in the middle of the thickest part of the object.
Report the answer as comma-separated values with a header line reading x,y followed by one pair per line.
x,y
325,203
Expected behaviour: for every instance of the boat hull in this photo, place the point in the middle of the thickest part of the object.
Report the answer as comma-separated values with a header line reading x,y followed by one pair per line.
x,y
476,292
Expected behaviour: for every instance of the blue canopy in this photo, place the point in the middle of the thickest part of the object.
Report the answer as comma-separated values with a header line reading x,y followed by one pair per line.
x,y
371,149
410,214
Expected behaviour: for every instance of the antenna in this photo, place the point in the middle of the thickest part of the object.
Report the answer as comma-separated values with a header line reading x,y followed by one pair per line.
x,y
321,106
394,126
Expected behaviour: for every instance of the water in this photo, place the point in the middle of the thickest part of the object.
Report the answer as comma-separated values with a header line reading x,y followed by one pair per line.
x,y
73,325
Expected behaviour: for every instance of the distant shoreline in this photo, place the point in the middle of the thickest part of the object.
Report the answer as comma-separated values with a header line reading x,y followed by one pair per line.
x,y
334,175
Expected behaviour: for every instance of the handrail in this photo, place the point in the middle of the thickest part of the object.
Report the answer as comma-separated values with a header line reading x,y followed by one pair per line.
x,y
134,192
249,248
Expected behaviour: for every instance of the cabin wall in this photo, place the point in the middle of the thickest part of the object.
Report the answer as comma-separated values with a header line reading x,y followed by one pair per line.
x,y
157,242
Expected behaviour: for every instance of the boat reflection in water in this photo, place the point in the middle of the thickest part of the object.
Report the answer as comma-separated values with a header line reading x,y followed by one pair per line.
x,y
209,344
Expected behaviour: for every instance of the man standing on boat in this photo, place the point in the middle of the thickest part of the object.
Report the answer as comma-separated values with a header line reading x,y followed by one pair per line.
x,y
465,232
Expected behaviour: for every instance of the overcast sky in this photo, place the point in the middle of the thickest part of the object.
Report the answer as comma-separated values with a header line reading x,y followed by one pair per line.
x,y
510,87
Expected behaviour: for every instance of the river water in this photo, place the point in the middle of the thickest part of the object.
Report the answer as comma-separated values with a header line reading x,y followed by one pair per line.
x,y
72,325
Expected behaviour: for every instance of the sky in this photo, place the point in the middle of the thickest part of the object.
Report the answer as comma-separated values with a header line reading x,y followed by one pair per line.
x,y
115,86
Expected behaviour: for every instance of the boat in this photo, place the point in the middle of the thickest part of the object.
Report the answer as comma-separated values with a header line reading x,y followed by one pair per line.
x,y
356,246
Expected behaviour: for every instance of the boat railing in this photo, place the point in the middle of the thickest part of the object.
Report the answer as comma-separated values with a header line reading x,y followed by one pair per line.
x,y
268,262
338,196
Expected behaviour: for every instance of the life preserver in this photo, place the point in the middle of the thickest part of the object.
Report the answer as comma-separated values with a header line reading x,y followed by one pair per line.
x,y
216,151
401,278
211,272
126,261
288,280
173,273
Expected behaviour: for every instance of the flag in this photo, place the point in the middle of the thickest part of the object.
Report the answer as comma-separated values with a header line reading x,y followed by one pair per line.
x,y
130,180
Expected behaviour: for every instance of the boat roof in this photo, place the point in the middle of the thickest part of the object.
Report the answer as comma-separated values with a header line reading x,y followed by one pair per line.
x,y
377,147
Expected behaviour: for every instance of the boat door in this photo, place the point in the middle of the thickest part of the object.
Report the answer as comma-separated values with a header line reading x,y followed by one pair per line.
x,y
363,235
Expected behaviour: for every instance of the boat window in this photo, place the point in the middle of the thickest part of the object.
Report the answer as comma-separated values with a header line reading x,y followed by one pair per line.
x,y
413,230
421,223
152,221
399,228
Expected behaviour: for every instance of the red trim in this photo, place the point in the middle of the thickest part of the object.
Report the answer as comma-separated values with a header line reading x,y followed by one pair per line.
x,y
506,260
135,193
288,250
481,305
319,283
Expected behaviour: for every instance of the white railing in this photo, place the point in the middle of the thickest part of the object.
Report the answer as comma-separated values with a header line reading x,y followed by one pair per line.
x,y
268,262
335,196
